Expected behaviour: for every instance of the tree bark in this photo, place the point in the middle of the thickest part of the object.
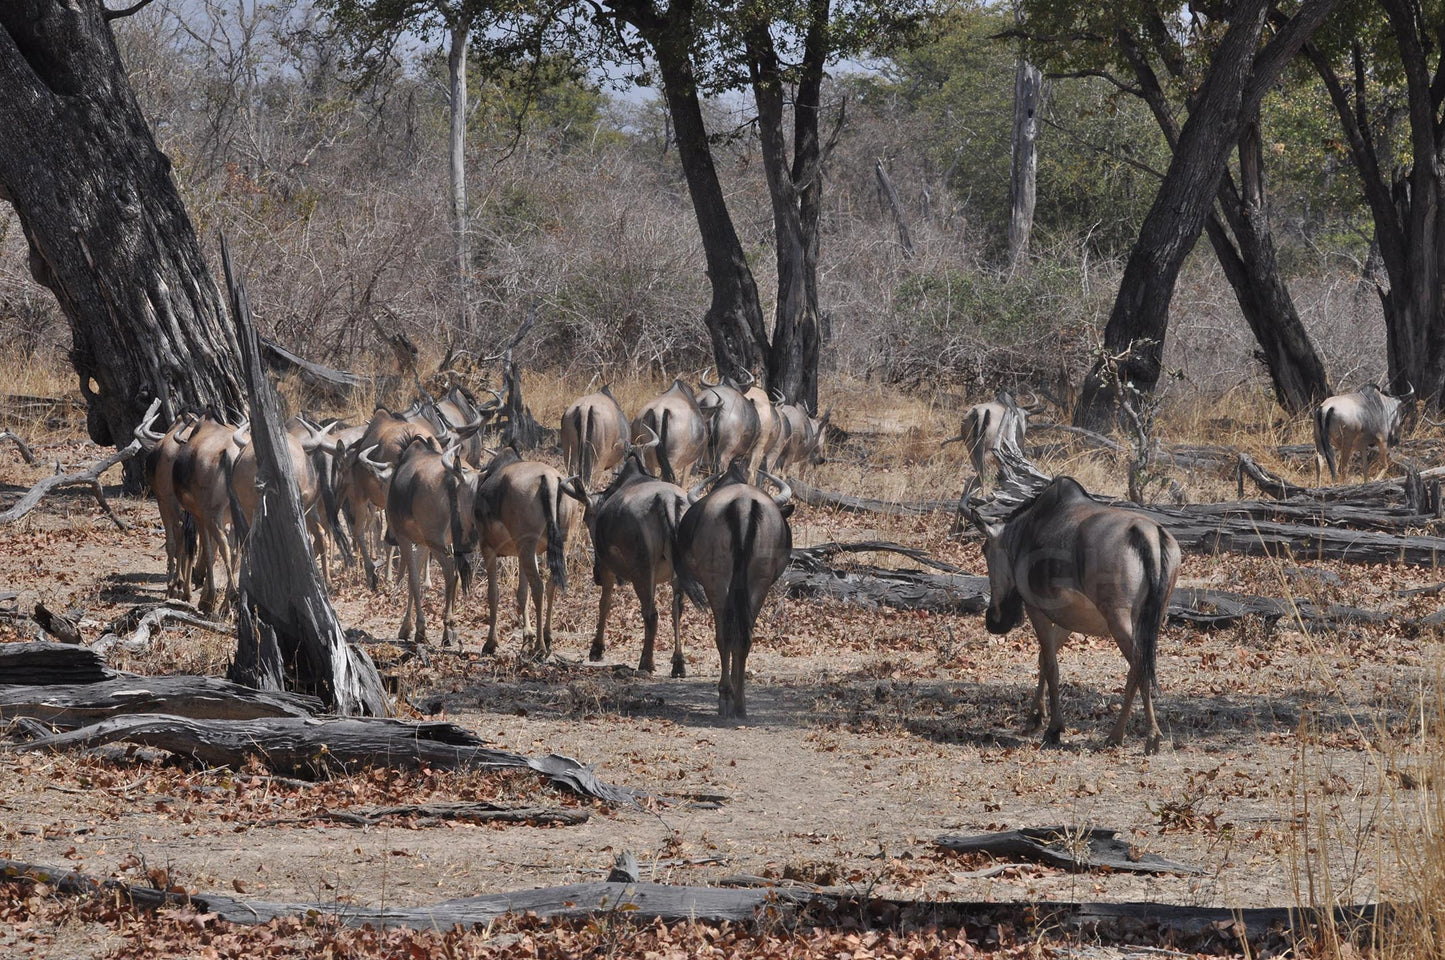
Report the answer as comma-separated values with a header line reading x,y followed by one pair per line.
x,y
457,163
1028,97
1238,77
107,229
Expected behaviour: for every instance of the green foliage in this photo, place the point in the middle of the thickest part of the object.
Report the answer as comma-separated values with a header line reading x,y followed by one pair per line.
x,y
986,303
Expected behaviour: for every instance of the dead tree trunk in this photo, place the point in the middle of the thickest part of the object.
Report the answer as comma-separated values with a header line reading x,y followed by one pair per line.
x,y
889,196
285,623
1028,96
107,229
460,34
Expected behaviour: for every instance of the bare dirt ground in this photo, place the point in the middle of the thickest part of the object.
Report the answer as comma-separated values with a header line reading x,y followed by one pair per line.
x,y
1288,756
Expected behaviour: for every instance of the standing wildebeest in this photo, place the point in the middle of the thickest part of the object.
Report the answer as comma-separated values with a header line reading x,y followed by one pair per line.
x,y
732,545
677,420
198,478
803,435
733,425
429,510
161,451
521,511
463,418
988,425
594,434
1366,422
1076,565
633,525
302,442
770,428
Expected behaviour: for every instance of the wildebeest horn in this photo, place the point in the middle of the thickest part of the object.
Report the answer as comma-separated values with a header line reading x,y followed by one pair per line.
x,y
703,380
778,395
381,470
744,384
650,443
1408,394
694,493
317,440
242,434
496,400
145,431
944,443
785,491
575,488
1035,405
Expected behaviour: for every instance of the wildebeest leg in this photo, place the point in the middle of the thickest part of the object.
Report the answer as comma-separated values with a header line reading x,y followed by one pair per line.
x,y
739,665
318,544
413,595
547,621
646,588
363,530
679,665
1051,638
607,581
449,571
724,684
490,559
529,579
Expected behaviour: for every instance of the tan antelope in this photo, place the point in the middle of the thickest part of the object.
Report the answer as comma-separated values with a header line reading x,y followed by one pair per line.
x,y
1367,421
521,512
633,524
1078,566
732,545
430,499
594,434
677,420
733,424
987,425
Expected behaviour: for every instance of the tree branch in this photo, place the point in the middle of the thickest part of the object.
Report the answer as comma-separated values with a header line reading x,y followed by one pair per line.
x,y
134,8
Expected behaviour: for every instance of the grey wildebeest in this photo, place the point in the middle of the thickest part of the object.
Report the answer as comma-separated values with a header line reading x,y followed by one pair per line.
x,y
988,425
161,451
732,421
1367,421
594,435
770,428
1075,565
521,512
633,523
429,509
732,545
676,419
302,442
803,437
198,483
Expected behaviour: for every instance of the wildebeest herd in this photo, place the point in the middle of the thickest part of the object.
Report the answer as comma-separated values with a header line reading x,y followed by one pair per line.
x,y
420,482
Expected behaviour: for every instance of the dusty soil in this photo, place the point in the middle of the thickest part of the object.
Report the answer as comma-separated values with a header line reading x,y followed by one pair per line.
x,y
1288,756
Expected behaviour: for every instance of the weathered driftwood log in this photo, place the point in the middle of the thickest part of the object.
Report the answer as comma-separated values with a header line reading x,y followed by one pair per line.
x,y
89,477
134,631
966,594
335,385
1195,928
198,698
285,622
57,625
37,662
26,453
316,747
841,501
519,429
1068,848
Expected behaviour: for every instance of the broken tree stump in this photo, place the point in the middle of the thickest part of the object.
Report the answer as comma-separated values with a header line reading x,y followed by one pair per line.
x,y
37,662
1068,848
198,698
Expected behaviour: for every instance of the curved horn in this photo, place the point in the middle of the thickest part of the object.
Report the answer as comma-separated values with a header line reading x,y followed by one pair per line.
x,y
1408,394
778,396
381,470
703,380
651,443
496,400
145,430
317,440
744,384
785,491
694,493
1035,405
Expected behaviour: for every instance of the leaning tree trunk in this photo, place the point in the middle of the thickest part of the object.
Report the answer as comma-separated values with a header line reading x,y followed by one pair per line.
x,y
1239,74
457,162
1252,268
108,232
1028,94
735,317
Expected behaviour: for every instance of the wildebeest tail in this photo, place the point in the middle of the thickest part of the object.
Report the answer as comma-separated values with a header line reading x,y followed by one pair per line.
x,y
551,497
461,548
190,538
1323,447
588,438
331,504
738,606
1151,614
664,467
238,516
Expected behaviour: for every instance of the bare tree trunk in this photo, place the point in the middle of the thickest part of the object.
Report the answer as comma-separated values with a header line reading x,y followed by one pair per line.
x,y
107,229
1028,97
890,196
457,75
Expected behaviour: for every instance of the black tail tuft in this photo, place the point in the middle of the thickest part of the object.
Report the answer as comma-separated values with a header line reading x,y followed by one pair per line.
x,y
588,438
551,497
737,611
663,464
1324,448
1151,614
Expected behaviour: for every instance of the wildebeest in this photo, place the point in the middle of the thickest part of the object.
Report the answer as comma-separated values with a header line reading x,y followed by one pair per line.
x,y
302,441
769,428
464,419
987,425
803,437
1367,421
198,478
429,510
594,434
521,512
1075,565
362,490
633,523
161,451
733,424
676,419
732,545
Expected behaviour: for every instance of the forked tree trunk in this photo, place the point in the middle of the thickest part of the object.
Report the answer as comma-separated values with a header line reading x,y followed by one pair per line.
x,y
1028,97
457,163
108,232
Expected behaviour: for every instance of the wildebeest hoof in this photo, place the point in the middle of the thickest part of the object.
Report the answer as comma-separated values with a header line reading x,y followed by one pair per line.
x,y
1152,745
679,669
595,654
646,666
1053,738
489,648
449,637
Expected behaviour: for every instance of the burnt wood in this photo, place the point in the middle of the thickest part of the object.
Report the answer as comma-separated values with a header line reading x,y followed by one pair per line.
x,y
1068,848
39,662
199,698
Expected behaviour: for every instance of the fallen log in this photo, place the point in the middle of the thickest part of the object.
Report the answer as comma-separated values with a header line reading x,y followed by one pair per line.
x,y
90,477
26,453
58,626
1197,928
1068,848
815,497
38,662
142,622
198,698
952,593
335,385
318,747
476,812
